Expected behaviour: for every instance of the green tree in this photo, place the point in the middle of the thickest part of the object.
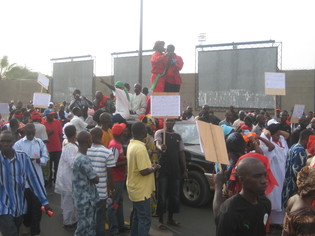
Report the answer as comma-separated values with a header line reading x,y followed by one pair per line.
x,y
19,72
5,67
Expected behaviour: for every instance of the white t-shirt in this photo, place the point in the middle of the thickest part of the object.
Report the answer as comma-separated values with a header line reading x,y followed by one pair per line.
x,y
41,132
139,103
79,124
122,103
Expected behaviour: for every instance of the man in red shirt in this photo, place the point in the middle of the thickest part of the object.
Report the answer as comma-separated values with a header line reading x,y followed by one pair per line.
x,y
54,132
115,213
174,65
158,63
102,101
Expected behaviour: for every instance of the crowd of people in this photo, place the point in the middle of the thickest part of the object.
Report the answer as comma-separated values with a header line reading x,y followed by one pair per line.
x,y
93,153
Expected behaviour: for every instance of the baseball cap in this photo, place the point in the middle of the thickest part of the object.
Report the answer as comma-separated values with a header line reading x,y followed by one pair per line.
x,y
117,129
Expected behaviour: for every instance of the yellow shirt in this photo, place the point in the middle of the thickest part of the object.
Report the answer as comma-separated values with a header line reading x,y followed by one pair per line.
x,y
107,137
139,187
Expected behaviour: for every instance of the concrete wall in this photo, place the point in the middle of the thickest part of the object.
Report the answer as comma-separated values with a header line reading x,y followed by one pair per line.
x,y
299,90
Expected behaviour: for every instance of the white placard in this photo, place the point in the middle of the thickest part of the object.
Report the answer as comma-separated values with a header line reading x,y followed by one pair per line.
x,y
298,111
43,81
165,105
274,83
41,100
4,108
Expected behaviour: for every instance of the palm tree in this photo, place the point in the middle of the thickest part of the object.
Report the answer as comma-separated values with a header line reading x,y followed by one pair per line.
x,y
5,67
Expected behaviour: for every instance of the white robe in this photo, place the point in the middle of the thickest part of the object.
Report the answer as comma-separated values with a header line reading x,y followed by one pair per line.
x,y
277,158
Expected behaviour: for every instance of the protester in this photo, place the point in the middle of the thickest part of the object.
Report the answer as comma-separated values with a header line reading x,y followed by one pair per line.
x,y
37,152
158,63
80,101
228,119
138,101
303,122
140,180
313,125
106,123
49,109
277,158
116,210
240,121
207,116
54,132
122,101
79,124
261,123
17,169
173,168
64,178
41,132
174,64
103,102
246,213
187,114
102,160
84,189
296,160
300,213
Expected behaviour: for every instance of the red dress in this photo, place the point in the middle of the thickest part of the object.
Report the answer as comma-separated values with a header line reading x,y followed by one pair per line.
x,y
172,75
158,63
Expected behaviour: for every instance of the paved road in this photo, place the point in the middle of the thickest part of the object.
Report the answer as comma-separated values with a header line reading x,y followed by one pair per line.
x,y
194,221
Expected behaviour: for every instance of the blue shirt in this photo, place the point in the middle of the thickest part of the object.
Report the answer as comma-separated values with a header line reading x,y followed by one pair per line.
x,y
14,174
296,160
84,191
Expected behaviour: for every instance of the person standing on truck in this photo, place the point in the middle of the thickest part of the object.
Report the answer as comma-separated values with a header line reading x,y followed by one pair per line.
x,y
173,167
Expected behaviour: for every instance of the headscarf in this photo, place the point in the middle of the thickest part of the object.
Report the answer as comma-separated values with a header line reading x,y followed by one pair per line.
x,y
271,180
157,43
121,85
306,181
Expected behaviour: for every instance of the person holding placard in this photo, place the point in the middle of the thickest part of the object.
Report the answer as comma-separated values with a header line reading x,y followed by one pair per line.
x,y
173,168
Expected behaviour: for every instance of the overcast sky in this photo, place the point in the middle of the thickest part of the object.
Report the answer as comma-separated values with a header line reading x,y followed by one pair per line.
x,y
34,31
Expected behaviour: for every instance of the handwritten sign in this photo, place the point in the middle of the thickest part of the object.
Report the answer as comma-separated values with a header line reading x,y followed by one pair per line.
x,y
43,81
212,142
4,108
274,83
41,100
165,105
298,111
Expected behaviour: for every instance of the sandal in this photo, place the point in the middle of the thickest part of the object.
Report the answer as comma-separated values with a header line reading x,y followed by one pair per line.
x,y
173,223
161,226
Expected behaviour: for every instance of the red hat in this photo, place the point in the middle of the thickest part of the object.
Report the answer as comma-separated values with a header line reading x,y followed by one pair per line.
x,y
36,116
158,43
117,129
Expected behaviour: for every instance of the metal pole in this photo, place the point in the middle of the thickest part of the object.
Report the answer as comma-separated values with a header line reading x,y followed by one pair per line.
x,y
140,42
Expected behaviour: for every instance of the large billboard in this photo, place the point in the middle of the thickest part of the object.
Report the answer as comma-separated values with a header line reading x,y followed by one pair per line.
x,y
236,77
68,76
126,69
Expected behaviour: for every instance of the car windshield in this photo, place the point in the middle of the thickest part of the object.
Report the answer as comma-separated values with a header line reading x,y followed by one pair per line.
x,y
188,131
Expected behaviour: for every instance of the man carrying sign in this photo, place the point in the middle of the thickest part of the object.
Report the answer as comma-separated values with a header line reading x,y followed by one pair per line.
x,y
173,167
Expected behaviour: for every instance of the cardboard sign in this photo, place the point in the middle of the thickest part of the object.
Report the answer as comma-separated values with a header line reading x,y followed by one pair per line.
x,y
274,83
41,100
298,111
43,81
4,109
212,142
165,105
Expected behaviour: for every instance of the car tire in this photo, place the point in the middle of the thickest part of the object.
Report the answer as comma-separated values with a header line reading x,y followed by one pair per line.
x,y
195,191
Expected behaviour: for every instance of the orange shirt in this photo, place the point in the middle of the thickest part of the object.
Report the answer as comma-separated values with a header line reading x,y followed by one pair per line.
x,y
107,137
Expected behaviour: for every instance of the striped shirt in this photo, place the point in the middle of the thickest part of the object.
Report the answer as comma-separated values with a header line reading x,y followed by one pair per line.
x,y
14,173
101,158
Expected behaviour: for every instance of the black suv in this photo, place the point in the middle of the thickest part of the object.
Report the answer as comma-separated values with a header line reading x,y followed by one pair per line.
x,y
198,190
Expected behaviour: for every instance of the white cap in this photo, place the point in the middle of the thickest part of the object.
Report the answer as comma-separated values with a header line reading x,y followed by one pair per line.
x,y
272,121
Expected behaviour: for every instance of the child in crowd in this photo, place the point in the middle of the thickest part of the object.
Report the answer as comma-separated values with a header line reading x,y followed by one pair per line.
x,y
65,176
116,211
84,189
